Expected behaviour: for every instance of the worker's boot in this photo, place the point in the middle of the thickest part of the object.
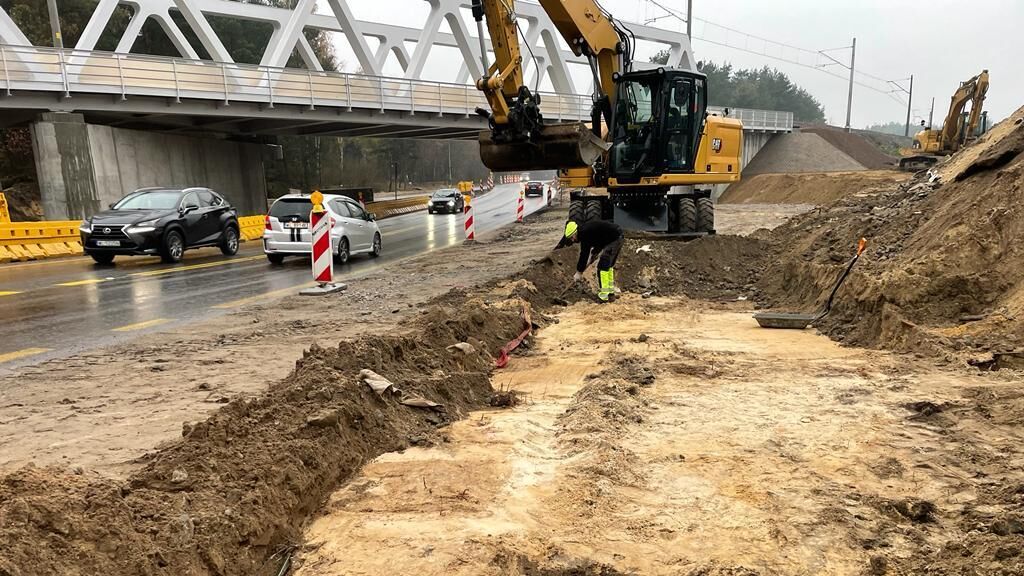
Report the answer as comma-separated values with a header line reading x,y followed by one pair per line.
x,y
605,290
615,287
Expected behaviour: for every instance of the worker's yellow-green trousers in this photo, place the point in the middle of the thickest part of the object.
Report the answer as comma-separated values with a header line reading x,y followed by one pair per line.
x,y
606,284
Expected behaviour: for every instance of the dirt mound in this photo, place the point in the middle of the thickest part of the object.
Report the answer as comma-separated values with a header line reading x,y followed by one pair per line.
x,y
943,269
231,496
716,267
854,145
800,152
821,188
24,202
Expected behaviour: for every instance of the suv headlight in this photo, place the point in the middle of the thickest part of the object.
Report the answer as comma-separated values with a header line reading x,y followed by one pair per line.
x,y
451,202
85,226
141,227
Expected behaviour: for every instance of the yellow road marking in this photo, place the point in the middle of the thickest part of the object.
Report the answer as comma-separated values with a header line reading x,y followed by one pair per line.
x,y
22,353
258,297
141,325
198,266
8,292
83,282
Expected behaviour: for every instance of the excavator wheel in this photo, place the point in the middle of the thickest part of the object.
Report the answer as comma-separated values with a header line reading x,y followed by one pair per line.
x,y
705,208
592,211
577,213
687,216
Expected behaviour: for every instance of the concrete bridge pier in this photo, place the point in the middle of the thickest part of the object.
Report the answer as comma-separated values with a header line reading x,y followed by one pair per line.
x,y
82,168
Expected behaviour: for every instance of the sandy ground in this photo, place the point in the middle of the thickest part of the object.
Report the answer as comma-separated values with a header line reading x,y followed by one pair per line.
x,y
103,410
705,446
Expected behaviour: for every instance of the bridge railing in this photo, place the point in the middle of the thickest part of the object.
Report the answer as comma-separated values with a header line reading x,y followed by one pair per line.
x,y
28,68
768,120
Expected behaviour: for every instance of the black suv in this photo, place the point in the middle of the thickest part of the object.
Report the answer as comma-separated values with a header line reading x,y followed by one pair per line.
x,y
164,221
446,200
534,188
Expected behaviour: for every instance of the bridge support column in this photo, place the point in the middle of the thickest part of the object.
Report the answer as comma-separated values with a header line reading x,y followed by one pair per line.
x,y
84,167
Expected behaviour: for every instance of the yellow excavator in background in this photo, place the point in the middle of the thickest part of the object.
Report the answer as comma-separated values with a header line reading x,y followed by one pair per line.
x,y
651,145
956,131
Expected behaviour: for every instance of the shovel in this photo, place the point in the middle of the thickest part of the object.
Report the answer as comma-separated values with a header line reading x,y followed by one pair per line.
x,y
799,321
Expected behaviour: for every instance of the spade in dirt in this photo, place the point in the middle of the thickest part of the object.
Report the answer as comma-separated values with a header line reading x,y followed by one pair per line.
x,y
798,320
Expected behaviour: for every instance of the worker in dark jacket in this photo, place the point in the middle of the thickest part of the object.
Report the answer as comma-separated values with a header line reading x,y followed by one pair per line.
x,y
598,239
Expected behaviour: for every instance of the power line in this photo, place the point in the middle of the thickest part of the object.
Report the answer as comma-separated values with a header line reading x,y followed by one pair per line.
x,y
816,54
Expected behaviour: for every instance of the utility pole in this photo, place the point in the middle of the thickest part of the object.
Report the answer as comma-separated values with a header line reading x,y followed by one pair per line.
x,y
449,162
931,113
910,99
849,97
689,19
51,6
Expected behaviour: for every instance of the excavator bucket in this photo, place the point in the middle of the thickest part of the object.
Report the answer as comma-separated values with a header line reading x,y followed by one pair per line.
x,y
569,145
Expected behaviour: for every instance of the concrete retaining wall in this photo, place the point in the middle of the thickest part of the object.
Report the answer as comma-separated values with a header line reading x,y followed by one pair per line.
x,y
83,167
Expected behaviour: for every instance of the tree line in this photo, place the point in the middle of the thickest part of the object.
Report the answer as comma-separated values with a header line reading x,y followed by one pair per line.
x,y
760,88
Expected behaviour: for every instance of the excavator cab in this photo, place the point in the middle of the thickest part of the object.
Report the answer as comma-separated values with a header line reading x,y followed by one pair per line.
x,y
656,123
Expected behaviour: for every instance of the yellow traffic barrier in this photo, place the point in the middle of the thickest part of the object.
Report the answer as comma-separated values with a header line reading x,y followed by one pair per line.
x,y
251,227
36,240
5,214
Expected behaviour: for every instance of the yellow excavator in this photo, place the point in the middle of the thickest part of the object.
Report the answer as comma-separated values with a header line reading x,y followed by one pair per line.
x,y
956,131
651,152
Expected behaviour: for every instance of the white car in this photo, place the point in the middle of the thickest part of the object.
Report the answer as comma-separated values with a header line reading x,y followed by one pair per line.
x,y
286,231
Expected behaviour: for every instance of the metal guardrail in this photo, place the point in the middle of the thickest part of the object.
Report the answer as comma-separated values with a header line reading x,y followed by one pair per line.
x,y
752,119
32,68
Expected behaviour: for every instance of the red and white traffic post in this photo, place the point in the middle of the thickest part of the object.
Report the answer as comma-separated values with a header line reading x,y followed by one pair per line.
x,y
467,210
322,249
519,206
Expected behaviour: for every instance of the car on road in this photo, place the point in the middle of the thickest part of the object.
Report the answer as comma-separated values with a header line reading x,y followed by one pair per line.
x,y
161,221
447,200
286,228
533,188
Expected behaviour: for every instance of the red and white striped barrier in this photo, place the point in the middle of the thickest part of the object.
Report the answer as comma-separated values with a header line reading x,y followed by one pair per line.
x,y
467,210
519,207
320,224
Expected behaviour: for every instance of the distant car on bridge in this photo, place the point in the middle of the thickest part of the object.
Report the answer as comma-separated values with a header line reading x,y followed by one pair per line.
x,y
161,221
286,230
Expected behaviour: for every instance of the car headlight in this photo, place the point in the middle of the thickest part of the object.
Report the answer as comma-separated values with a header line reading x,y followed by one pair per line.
x,y
85,226
451,202
147,226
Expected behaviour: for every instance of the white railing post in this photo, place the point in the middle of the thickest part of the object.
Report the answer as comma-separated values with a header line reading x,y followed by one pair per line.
x,y
224,76
465,92
412,100
380,89
440,110
177,87
64,74
270,88
348,91
120,77
309,79
7,76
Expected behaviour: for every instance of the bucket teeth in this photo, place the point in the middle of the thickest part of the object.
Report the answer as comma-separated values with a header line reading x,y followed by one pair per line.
x,y
571,145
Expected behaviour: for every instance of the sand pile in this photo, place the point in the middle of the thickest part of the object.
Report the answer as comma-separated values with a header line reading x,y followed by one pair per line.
x,y
800,152
945,267
816,188
855,145
231,497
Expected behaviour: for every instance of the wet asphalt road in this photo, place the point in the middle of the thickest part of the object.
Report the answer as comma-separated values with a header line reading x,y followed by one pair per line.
x,y
55,308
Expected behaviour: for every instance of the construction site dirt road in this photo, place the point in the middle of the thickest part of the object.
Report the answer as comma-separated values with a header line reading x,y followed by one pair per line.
x,y
664,433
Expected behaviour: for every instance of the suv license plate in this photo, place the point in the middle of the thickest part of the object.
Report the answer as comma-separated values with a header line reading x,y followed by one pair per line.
x,y
296,225
108,242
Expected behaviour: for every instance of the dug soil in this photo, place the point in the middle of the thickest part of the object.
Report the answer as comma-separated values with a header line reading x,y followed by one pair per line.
x,y
943,270
661,436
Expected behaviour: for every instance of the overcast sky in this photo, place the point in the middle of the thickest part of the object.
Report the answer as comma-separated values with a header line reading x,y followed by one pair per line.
x,y
940,42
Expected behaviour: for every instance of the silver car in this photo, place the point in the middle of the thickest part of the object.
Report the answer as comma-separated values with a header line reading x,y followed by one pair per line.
x,y
287,233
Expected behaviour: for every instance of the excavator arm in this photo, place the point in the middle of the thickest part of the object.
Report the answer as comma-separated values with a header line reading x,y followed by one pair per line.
x,y
518,138
953,132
